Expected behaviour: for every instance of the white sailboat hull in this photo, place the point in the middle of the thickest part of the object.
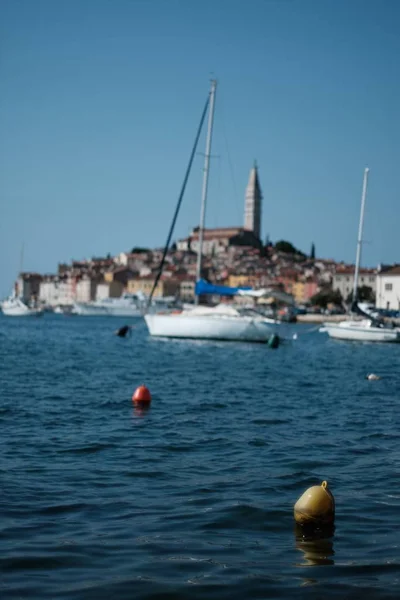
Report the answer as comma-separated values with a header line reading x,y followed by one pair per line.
x,y
14,307
361,331
227,328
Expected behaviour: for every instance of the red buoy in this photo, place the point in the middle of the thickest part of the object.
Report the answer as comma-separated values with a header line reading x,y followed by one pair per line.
x,y
141,395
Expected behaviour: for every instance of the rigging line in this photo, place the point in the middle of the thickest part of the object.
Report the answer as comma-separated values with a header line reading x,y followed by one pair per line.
x,y
188,169
218,191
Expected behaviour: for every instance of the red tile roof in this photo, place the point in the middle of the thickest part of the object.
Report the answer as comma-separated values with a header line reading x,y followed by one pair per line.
x,y
395,270
349,270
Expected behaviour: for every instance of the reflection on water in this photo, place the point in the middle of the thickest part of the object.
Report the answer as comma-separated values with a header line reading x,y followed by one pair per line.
x,y
139,410
316,545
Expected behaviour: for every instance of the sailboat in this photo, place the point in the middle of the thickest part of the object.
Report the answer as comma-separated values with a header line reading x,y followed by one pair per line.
x,y
222,322
369,329
14,306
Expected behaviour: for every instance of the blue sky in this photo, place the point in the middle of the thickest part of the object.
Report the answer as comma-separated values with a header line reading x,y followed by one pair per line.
x,y
100,101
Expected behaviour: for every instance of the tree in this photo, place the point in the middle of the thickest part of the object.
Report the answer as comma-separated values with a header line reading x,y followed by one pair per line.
x,y
139,250
364,294
327,296
284,246
312,253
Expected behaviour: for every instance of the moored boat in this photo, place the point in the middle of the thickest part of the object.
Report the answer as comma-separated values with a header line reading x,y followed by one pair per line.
x,y
370,328
203,322
221,322
128,305
15,307
361,331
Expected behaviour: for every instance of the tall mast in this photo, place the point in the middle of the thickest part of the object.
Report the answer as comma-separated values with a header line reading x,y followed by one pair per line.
x,y
205,180
21,259
360,234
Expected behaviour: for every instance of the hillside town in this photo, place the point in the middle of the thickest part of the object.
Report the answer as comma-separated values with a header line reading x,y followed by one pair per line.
x,y
232,256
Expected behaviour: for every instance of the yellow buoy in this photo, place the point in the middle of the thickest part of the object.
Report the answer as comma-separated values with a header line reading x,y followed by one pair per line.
x,y
316,507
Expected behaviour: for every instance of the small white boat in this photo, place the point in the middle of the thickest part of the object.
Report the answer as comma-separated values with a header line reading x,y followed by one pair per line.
x,y
15,307
89,309
129,305
361,331
369,329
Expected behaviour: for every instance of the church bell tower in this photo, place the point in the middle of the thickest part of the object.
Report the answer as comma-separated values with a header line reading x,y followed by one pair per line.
x,y
252,205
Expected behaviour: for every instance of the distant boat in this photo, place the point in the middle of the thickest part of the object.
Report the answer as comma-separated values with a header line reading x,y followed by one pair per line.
x,y
361,331
128,305
14,306
369,329
203,322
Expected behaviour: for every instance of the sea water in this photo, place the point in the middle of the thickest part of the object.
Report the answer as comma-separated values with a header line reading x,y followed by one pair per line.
x,y
194,497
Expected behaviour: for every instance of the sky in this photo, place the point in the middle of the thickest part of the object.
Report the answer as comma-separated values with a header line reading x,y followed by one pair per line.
x,y
100,101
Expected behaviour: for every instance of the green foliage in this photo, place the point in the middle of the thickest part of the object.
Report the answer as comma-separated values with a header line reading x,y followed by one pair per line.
x,y
284,246
312,253
139,250
327,296
364,294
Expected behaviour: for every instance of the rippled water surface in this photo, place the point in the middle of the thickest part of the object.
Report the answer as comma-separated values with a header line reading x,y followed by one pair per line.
x,y
193,498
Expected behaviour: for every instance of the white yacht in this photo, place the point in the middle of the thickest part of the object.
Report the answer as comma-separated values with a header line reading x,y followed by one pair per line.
x,y
221,322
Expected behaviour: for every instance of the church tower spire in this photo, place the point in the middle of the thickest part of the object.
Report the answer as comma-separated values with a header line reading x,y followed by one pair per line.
x,y
252,205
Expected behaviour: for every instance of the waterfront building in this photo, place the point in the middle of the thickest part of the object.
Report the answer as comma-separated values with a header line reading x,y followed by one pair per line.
x,y
304,289
57,290
187,289
86,289
343,280
217,241
28,285
243,280
167,286
112,289
388,287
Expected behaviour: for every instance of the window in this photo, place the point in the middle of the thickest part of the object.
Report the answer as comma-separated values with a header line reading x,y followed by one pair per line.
x,y
371,279
388,287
